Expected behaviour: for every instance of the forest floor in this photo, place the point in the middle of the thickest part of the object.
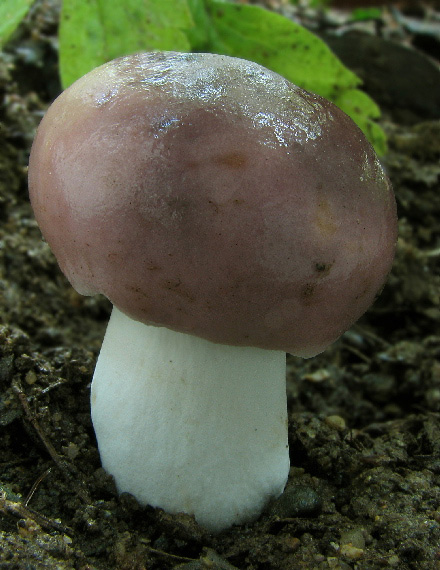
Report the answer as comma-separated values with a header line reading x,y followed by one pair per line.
x,y
364,416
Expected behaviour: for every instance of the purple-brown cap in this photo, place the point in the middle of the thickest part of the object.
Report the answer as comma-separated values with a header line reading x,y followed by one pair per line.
x,y
211,196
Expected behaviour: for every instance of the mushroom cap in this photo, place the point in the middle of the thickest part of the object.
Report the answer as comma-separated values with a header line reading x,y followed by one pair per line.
x,y
209,195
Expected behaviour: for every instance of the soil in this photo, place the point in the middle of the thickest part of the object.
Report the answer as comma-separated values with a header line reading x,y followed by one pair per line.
x,y
364,417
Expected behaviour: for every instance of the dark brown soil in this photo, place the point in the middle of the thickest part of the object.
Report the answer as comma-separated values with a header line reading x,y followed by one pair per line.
x,y
364,491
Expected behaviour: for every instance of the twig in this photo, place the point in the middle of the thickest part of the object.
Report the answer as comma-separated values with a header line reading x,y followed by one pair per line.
x,y
68,470
52,386
20,511
167,554
358,353
431,253
372,336
35,486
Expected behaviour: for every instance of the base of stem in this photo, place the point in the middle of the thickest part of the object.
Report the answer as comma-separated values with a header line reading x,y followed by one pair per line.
x,y
189,425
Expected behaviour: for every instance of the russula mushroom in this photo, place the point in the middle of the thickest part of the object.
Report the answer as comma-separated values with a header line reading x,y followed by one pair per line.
x,y
230,217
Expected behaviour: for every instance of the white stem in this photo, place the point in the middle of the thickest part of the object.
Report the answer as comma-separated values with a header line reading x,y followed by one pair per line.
x,y
189,425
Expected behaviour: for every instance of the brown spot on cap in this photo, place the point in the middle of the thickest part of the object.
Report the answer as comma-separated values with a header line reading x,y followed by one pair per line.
x,y
323,269
324,219
232,159
307,292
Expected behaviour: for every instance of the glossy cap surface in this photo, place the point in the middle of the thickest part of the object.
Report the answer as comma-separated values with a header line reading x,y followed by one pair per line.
x,y
209,195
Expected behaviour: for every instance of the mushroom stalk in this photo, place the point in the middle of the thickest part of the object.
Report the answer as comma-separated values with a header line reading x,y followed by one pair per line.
x,y
207,423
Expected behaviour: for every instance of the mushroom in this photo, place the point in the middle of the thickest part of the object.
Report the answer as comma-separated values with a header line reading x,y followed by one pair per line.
x,y
230,217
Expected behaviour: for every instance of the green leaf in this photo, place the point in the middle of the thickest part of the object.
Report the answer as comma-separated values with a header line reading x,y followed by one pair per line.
x,y
12,13
95,31
278,43
256,34
362,14
363,110
201,34
313,3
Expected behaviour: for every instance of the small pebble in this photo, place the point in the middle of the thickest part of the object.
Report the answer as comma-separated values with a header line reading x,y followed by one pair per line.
x,y
355,537
393,560
297,501
30,377
335,422
317,376
351,552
